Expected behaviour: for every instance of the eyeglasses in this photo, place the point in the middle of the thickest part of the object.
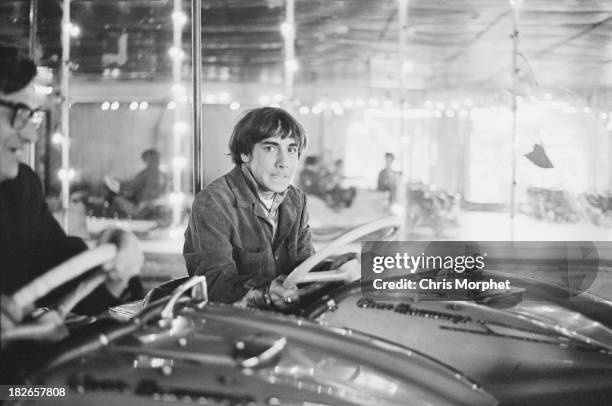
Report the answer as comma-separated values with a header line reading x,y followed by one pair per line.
x,y
22,114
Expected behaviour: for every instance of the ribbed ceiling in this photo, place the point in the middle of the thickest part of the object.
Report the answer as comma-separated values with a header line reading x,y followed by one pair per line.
x,y
450,43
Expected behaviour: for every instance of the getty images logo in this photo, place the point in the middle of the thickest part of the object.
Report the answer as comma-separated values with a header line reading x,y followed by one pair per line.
x,y
561,268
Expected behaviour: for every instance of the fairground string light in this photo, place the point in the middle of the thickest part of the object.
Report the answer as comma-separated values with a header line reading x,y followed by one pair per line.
x,y
68,31
178,105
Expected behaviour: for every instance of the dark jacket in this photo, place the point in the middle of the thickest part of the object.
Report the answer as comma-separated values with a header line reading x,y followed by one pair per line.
x,y
230,241
148,185
32,242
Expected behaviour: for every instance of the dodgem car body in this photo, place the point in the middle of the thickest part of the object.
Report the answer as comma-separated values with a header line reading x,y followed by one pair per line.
x,y
543,340
185,350
534,352
536,344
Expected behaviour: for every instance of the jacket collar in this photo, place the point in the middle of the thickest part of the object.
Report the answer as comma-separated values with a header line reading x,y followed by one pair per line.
x,y
245,188
240,188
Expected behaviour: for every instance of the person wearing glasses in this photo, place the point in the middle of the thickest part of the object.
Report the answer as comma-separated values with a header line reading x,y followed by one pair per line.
x,y
249,228
31,240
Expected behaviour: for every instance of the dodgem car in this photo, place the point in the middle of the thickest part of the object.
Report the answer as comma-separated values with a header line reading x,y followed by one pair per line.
x,y
541,342
544,339
182,349
535,352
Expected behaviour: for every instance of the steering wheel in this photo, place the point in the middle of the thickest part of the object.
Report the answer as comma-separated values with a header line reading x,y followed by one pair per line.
x,y
22,302
302,273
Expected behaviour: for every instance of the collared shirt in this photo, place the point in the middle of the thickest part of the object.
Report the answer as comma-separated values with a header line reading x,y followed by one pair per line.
x,y
270,209
230,239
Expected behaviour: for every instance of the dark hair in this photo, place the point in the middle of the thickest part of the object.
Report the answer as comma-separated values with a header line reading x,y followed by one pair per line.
x,y
389,155
149,153
261,123
16,70
311,160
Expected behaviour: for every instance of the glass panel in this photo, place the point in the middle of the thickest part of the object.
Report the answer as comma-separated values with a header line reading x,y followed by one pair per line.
x,y
454,146
345,75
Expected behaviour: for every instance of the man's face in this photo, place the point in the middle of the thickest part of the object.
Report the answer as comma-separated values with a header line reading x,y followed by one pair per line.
x,y
13,141
273,162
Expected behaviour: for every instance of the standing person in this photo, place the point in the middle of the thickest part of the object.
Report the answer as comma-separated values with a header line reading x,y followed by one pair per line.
x,y
31,240
249,228
387,178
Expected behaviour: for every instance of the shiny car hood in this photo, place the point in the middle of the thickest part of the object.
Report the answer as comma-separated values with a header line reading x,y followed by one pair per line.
x,y
242,356
544,347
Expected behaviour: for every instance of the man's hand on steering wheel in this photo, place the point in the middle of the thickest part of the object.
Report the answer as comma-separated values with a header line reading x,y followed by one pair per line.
x,y
280,296
127,263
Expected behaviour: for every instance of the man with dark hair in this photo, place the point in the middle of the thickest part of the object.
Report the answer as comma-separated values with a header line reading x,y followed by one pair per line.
x,y
31,240
249,228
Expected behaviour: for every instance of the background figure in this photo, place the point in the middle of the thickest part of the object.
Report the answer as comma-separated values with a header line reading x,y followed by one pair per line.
x,y
387,178
324,169
310,178
337,195
136,198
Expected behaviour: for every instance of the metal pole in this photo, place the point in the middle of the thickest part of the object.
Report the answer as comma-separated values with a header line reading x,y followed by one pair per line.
x,y
31,148
402,14
515,4
180,111
288,30
404,141
33,32
196,58
65,123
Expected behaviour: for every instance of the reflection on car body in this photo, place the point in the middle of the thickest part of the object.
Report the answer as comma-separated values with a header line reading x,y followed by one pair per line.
x,y
536,343
538,347
183,350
